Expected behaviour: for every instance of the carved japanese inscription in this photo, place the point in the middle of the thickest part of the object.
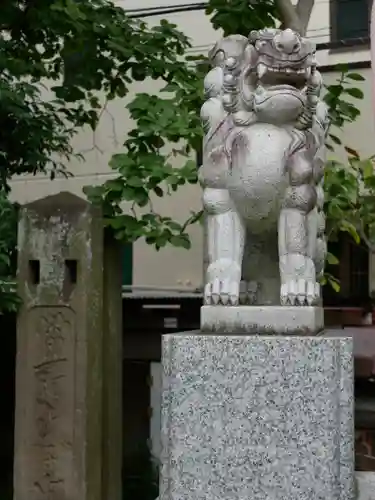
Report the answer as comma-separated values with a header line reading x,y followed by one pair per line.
x,y
51,349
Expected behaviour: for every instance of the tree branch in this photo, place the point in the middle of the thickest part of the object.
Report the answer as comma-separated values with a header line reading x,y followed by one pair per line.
x,y
295,17
303,10
288,14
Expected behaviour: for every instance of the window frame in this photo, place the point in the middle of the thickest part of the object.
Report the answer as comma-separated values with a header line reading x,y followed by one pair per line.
x,y
348,42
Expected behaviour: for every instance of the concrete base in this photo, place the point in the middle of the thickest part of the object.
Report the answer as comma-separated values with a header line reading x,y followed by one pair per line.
x,y
257,417
365,485
262,320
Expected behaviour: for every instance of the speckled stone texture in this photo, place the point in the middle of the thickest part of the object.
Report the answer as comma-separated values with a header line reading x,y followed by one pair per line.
x,y
257,418
262,320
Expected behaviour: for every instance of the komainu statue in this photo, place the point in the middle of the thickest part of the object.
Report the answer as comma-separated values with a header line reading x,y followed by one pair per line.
x,y
262,171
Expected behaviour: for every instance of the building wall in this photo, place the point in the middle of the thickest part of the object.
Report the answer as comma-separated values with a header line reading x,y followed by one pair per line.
x,y
177,267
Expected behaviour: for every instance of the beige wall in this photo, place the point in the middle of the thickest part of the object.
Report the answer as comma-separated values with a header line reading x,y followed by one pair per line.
x,y
177,267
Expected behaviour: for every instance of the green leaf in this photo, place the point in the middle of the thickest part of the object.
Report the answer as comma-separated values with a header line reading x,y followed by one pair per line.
x,y
355,92
351,229
173,180
346,110
331,259
181,241
121,162
140,197
351,152
367,168
335,139
175,226
115,185
355,76
323,280
135,182
158,191
334,90
334,284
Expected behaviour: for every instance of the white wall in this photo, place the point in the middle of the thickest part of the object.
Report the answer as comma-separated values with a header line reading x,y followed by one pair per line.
x,y
173,267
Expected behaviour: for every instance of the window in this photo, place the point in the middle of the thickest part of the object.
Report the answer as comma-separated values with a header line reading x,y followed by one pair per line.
x,y
352,272
350,19
127,264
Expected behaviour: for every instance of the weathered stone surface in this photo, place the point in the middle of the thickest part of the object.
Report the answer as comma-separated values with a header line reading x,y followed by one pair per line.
x,y
257,417
68,379
262,169
365,485
262,320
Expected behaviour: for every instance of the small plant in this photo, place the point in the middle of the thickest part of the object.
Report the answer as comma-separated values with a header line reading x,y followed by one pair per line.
x,y
341,182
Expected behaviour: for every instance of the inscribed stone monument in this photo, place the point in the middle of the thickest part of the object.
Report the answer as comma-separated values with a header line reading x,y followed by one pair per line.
x,y
259,404
68,375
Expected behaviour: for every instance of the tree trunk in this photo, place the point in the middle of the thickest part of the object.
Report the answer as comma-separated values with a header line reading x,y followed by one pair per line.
x,y
295,17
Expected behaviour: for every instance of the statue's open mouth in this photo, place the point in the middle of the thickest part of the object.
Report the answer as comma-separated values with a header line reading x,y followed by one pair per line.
x,y
283,76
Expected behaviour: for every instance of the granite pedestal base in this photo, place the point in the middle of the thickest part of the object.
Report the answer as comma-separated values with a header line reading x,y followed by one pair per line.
x,y
262,320
257,418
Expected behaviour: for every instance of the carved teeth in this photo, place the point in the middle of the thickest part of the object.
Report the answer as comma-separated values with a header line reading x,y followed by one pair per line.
x,y
262,70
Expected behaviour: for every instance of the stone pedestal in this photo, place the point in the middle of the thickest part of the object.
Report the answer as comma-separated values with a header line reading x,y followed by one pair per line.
x,y
365,485
262,320
69,359
257,417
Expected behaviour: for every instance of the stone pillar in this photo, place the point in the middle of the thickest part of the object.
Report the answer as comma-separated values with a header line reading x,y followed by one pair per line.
x,y
257,417
68,377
